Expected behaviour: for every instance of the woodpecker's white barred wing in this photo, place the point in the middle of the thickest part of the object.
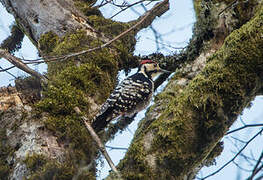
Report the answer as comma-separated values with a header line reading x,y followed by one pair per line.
x,y
130,96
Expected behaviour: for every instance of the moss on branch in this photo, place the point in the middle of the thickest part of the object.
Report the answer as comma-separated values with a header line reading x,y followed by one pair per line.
x,y
5,152
194,120
42,167
81,81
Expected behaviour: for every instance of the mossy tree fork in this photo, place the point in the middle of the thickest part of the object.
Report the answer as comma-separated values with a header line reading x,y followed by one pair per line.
x,y
217,75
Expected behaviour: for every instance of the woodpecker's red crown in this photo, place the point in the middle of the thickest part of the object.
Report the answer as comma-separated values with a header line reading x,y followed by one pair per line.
x,y
147,61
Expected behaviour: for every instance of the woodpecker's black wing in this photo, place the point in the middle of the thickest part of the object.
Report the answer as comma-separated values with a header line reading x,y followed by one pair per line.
x,y
129,97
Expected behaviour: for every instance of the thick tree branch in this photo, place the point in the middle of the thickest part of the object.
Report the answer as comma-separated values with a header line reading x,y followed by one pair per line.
x,y
191,116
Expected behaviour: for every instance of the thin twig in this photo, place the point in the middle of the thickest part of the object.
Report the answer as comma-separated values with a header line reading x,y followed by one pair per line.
x,y
256,169
240,151
165,44
21,65
259,178
117,148
101,4
98,141
127,7
241,168
247,158
239,140
3,70
243,127
259,170
6,69
158,9
231,4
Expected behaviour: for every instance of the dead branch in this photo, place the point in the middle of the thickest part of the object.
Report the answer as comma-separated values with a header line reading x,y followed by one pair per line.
x,y
149,16
96,138
19,64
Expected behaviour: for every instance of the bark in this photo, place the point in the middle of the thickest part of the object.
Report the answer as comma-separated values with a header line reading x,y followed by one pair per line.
x,y
182,131
39,17
41,136
44,138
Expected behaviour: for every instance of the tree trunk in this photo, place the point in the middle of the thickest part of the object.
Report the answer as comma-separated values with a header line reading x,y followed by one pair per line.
x,y
44,137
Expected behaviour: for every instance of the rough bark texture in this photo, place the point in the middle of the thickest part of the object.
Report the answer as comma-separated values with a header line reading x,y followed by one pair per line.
x,y
40,16
181,132
46,138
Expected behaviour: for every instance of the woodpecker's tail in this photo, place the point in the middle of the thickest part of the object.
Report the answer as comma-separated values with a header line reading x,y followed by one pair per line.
x,y
102,120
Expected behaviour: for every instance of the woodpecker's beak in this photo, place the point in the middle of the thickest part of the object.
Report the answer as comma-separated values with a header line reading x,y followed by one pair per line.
x,y
164,71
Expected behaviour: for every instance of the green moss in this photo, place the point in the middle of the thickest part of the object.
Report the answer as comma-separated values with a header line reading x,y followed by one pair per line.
x,y
35,161
236,65
5,152
206,26
48,42
71,129
86,8
105,59
138,165
107,26
4,172
203,29
72,86
54,171
197,6
44,168
242,11
74,81
194,120
14,41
